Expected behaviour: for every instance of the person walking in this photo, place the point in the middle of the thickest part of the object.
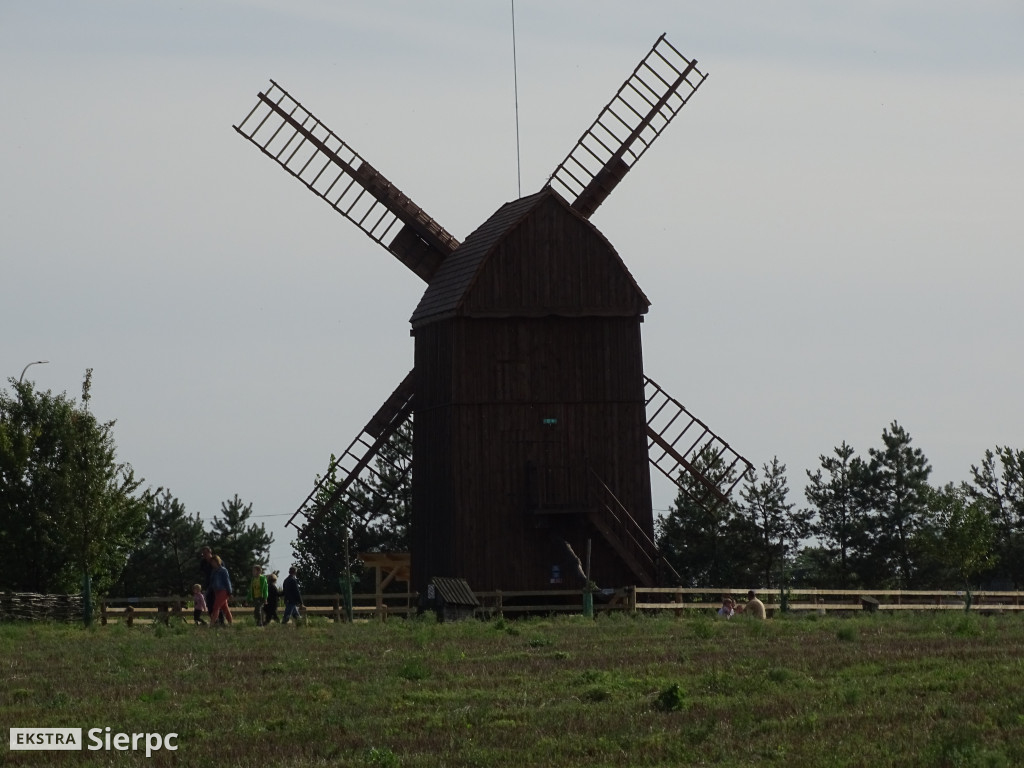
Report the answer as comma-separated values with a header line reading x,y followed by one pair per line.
x,y
198,604
273,595
258,594
292,597
220,581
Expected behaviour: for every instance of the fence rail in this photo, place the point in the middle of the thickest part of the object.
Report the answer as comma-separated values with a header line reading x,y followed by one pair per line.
x,y
681,600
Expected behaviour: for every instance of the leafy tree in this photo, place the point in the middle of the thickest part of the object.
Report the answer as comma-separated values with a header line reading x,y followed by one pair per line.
x,y
702,537
898,492
840,517
67,507
963,536
778,525
164,562
374,513
239,543
1002,490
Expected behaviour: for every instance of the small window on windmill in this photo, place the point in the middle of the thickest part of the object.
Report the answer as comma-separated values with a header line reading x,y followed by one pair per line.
x,y
549,421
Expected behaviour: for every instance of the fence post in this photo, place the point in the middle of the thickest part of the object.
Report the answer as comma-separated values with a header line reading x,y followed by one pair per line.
x,y
103,612
337,609
498,604
631,595
678,598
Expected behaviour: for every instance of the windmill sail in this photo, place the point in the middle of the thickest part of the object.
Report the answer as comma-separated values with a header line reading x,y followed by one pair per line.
x,y
354,488
659,87
294,138
678,441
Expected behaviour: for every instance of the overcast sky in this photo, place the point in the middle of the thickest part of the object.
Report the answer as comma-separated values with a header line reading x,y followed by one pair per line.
x,y
830,233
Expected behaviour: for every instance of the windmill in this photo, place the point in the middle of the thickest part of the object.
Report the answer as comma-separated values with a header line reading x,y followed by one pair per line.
x,y
535,424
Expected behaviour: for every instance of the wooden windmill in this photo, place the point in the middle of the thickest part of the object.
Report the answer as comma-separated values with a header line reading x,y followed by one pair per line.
x,y
535,425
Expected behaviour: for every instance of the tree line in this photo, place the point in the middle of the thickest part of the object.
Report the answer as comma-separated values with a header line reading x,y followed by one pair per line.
x,y
868,521
69,508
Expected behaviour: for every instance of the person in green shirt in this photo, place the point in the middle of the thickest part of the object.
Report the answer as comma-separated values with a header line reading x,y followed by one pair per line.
x,y
258,593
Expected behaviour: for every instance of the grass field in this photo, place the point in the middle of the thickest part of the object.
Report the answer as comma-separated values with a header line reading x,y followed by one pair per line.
x,y
917,690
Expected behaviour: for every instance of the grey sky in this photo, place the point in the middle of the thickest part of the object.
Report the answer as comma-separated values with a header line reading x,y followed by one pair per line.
x,y
830,232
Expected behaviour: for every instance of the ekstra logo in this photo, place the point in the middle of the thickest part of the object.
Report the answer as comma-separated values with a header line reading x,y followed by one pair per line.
x,y
97,738
46,738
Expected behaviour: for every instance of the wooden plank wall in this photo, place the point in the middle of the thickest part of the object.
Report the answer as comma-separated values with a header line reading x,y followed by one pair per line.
x,y
482,420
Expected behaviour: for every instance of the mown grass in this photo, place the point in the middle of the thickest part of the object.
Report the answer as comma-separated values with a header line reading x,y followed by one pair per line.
x,y
913,690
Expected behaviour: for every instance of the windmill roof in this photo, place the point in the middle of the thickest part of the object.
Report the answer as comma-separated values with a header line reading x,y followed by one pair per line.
x,y
444,296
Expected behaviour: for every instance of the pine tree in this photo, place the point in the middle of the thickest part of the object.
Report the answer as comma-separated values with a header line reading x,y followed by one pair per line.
x,y
778,525
239,543
840,516
898,492
165,560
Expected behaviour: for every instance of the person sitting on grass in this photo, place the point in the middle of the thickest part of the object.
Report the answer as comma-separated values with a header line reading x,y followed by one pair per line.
x,y
728,608
754,607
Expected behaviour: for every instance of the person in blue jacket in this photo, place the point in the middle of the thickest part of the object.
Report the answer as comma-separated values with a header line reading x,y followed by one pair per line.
x,y
292,597
220,583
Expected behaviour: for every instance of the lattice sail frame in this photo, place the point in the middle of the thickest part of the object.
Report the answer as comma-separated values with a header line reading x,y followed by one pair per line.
x,y
292,136
659,87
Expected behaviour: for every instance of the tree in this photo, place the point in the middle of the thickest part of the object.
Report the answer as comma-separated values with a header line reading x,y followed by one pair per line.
x,y
67,507
898,492
963,536
164,562
778,526
375,514
702,537
1002,491
840,517
239,543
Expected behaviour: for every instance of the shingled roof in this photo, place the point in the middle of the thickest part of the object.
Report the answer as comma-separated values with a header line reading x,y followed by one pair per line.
x,y
446,295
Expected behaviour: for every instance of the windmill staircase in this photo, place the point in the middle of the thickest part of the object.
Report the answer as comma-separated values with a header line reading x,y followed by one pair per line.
x,y
354,489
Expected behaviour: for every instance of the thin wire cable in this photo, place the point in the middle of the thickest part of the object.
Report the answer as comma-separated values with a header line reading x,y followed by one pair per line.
x,y
515,83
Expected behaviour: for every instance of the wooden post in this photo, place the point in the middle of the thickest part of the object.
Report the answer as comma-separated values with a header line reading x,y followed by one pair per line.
x,y
103,613
337,609
631,593
497,604
679,599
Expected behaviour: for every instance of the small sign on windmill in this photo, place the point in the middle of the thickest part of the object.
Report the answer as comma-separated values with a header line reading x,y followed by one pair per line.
x,y
535,424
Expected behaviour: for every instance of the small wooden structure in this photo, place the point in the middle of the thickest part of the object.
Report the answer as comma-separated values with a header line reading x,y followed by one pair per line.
x,y
451,599
388,567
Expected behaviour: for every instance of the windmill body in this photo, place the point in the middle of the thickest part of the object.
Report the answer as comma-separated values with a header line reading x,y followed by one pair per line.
x,y
529,397
535,425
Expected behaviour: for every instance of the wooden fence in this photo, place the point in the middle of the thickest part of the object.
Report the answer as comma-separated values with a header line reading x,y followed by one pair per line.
x,y
681,600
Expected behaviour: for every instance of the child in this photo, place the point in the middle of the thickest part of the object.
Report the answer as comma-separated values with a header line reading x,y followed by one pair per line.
x,y
727,610
270,608
258,593
199,604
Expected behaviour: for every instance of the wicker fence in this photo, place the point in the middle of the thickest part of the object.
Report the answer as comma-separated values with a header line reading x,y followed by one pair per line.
x,y
28,606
